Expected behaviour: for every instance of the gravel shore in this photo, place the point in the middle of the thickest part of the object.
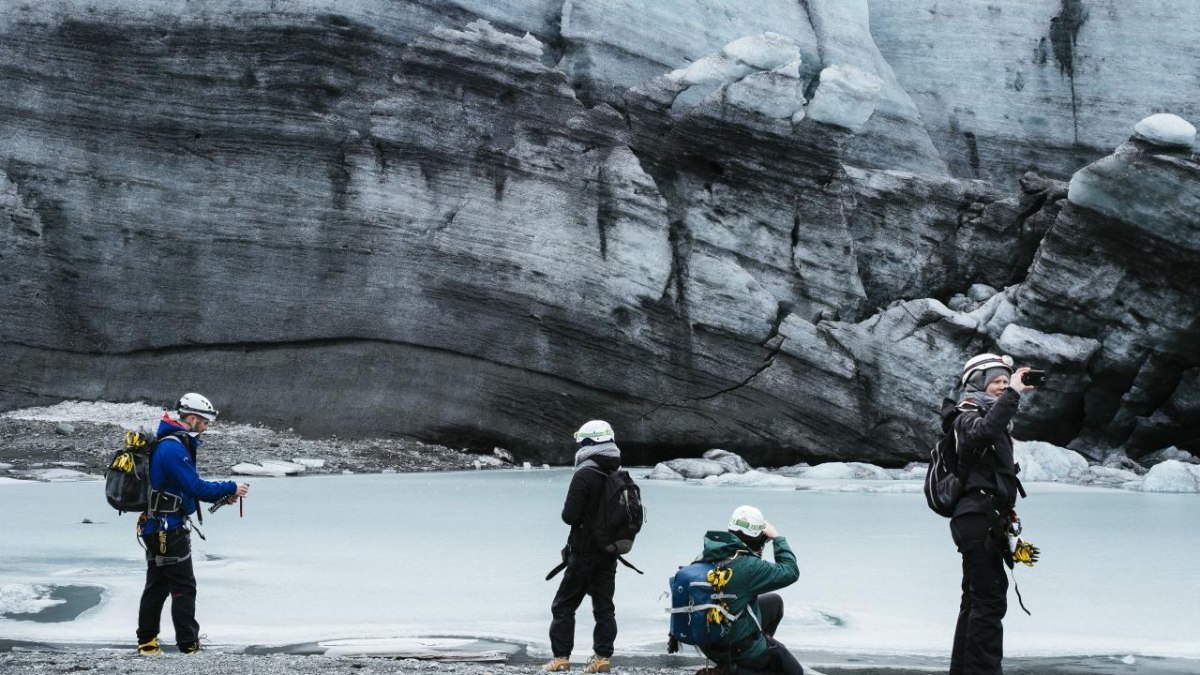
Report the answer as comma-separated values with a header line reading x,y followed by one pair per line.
x,y
31,446
124,662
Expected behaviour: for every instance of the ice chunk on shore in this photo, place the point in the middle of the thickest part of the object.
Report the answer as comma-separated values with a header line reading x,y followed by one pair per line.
x,y
794,470
289,468
847,471
1172,476
309,462
696,468
1169,453
1045,462
1166,130
663,472
248,469
730,460
753,478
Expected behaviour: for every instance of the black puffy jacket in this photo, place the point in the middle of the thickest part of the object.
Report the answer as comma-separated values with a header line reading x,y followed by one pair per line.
x,y
583,500
985,450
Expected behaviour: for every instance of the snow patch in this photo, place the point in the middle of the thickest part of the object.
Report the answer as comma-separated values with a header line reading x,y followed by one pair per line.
x,y
764,52
846,97
481,32
55,475
127,415
25,598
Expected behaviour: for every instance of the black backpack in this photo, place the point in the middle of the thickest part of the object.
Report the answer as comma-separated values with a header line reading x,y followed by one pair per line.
x,y
945,478
621,514
127,481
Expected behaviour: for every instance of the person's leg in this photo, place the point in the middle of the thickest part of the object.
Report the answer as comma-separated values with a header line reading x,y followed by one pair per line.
x,y
181,580
964,610
775,661
983,646
782,660
154,596
571,590
602,587
770,608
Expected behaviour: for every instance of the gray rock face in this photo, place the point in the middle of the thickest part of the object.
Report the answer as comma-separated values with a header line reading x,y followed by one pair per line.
x,y
395,222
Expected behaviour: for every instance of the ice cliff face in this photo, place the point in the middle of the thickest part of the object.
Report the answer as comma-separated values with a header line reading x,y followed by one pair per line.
x,y
483,223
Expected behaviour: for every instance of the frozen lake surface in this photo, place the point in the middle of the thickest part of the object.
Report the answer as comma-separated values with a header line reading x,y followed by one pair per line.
x,y
464,554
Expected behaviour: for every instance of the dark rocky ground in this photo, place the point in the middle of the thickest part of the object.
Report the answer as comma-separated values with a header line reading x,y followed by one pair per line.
x,y
87,446
105,661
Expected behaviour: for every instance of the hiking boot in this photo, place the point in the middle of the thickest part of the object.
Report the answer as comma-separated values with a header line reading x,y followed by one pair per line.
x,y
716,669
557,664
598,664
191,648
149,647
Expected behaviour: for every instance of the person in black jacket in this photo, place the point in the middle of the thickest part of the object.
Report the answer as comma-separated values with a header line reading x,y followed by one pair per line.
x,y
982,421
589,570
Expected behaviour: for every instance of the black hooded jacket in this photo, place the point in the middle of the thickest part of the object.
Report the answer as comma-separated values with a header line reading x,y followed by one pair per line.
x,y
583,499
985,452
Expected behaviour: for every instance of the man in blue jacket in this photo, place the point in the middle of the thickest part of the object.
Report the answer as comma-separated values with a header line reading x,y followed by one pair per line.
x,y
176,488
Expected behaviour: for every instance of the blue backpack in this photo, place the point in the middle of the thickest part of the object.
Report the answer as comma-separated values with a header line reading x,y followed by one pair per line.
x,y
699,608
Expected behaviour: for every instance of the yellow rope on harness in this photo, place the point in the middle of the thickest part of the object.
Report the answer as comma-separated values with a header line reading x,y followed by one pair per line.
x,y
123,462
134,441
718,577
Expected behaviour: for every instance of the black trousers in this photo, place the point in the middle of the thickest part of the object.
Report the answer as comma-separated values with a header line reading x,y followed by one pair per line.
x,y
175,579
979,635
595,576
777,658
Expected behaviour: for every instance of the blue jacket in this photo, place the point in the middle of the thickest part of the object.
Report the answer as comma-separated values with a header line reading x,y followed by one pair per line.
x,y
173,469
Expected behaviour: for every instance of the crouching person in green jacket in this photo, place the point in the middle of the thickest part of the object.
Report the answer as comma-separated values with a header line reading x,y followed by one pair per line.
x,y
750,646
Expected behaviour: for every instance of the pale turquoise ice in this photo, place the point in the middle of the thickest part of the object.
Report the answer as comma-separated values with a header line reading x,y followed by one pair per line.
x,y
325,557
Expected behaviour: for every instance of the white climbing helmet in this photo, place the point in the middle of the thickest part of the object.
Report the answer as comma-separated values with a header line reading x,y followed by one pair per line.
x,y
597,431
195,404
978,364
747,520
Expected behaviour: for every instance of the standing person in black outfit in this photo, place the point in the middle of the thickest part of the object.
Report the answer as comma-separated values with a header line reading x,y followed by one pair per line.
x,y
982,421
589,570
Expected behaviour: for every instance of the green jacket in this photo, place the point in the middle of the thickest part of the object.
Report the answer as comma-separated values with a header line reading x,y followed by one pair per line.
x,y
752,576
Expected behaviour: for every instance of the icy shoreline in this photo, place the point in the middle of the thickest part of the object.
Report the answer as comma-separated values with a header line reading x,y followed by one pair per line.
x,y
1040,462
33,659
74,441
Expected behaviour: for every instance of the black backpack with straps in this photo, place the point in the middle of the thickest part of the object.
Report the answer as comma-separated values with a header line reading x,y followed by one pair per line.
x,y
946,476
619,518
127,480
